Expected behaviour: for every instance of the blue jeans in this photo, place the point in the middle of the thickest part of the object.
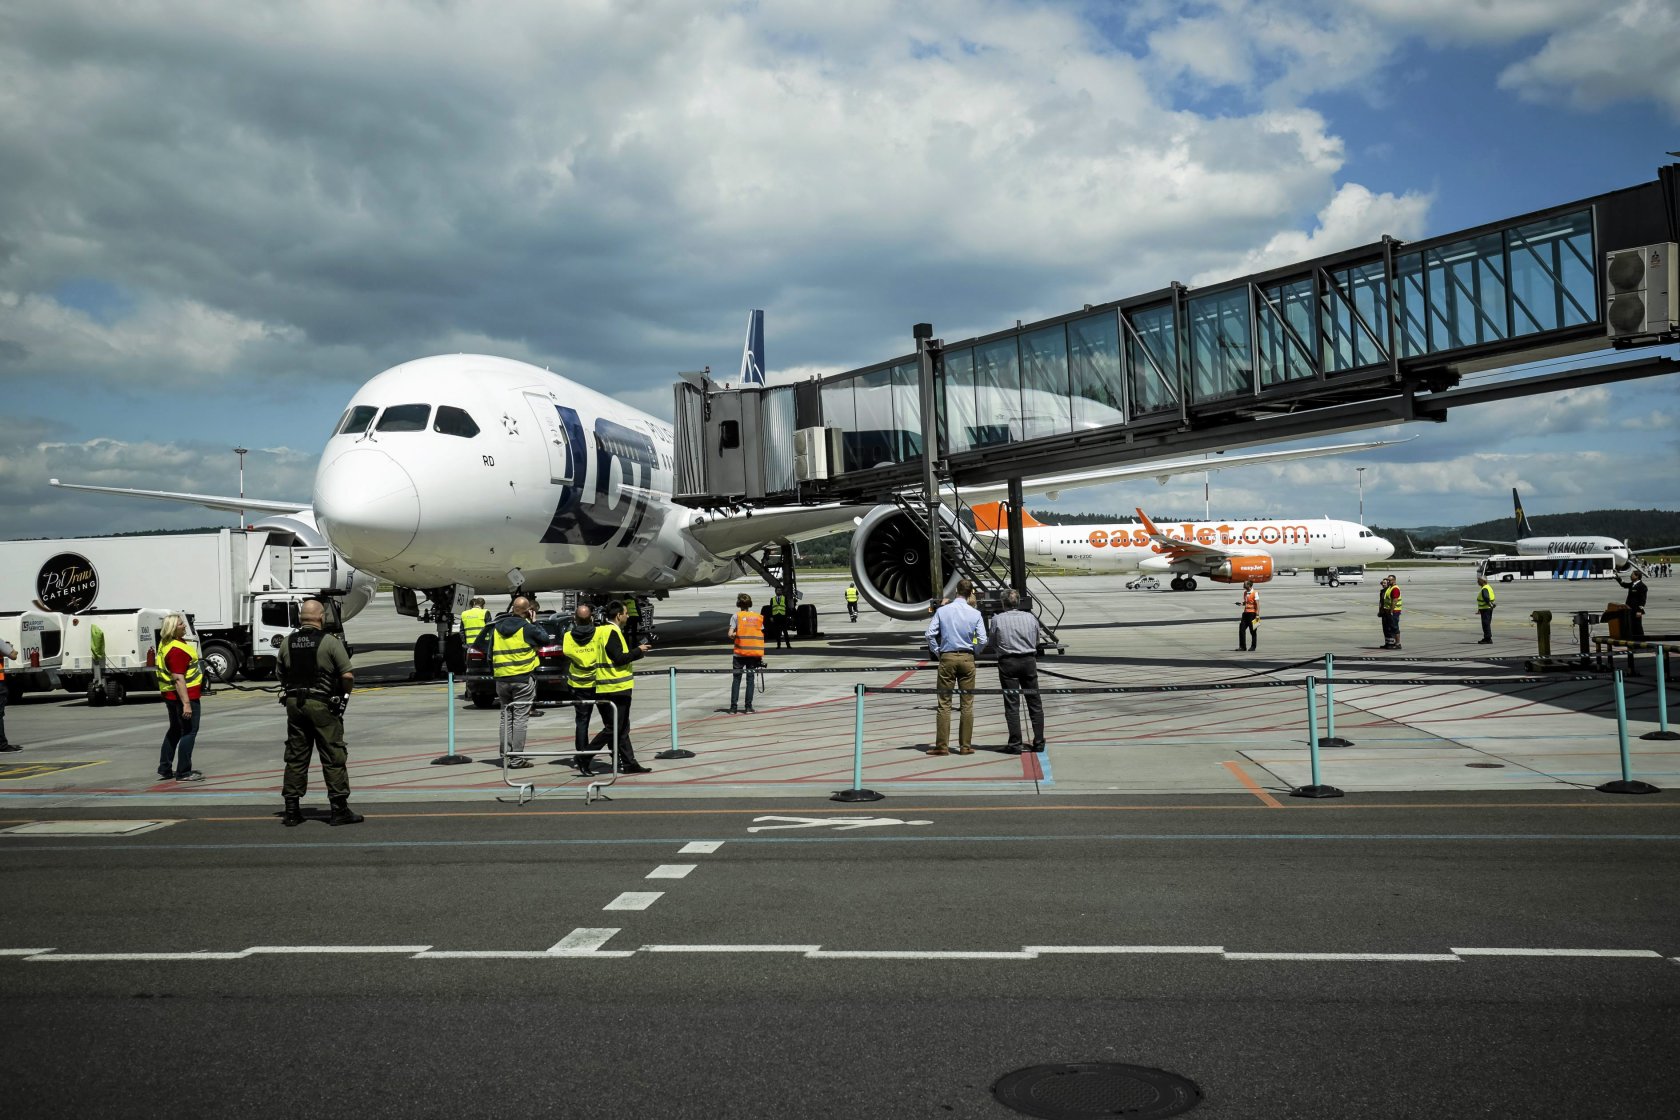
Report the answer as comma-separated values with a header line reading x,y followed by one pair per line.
x,y
749,666
182,734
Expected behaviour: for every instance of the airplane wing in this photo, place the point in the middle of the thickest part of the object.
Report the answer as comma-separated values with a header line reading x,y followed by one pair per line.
x,y
1180,549
1160,472
208,501
737,534
1507,544
1648,551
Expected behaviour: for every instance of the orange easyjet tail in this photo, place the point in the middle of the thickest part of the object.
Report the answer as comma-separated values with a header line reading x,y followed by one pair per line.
x,y
990,517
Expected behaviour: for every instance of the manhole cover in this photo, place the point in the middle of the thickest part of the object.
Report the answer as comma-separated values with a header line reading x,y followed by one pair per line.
x,y
1077,1090
1485,765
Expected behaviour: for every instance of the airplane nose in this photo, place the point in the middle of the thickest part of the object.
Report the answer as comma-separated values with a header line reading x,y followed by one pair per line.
x,y
367,506
1387,547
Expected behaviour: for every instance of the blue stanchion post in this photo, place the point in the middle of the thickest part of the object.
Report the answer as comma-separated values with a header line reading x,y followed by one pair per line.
x,y
1627,784
1331,739
451,758
1662,731
675,751
857,792
1318,788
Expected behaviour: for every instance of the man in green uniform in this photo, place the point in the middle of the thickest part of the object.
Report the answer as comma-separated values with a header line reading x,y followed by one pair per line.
x,y
1484,607
315,673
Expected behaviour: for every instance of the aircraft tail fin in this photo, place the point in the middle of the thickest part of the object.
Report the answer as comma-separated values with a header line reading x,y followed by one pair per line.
x,y
752,354
1524,529
1409,543
992,517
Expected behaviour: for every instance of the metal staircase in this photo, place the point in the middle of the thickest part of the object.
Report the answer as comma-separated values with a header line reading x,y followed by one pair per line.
x,y
980,558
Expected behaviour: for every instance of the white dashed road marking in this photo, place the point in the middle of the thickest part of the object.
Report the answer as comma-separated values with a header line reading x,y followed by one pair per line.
x,y
699,847
634,900
672,871
583,940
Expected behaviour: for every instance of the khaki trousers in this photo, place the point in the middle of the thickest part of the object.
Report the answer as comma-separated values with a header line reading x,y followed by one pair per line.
x,y
956,670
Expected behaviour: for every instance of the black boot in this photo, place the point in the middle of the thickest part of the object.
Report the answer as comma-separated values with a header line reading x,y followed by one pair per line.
x,y
342,813
294,813
627,764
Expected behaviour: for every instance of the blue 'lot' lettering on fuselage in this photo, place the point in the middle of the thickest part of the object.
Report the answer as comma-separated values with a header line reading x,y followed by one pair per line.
x,y
572,523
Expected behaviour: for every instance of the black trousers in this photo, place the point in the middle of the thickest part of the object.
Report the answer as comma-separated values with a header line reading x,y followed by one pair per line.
x,y
1246,631
615,712
1487,623
1020,671
585,698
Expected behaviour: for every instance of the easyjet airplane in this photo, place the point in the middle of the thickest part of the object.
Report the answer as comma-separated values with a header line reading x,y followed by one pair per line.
x,y
466,474
1222,551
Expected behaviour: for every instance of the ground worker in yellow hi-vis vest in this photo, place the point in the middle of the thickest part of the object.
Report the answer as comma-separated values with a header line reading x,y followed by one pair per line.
x,y
512,642
851,600
582,647
614,684
473,621
746,632
181,679
1484,607
781,621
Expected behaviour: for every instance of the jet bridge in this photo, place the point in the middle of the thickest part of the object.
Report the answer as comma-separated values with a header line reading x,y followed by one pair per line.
x,y
1379,334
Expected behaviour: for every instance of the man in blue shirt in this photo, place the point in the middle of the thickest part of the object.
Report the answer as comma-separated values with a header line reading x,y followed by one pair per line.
x,y
954,636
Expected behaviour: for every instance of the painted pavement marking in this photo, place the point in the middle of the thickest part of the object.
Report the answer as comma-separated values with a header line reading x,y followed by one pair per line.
x,y
835,824
86,828
699,847
634,900
672,871
583,940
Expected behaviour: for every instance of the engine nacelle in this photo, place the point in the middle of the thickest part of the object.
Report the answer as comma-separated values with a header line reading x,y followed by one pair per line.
x,y
890,562
1241,568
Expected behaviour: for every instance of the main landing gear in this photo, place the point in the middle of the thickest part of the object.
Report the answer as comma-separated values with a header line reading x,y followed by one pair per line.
x,y
1184,583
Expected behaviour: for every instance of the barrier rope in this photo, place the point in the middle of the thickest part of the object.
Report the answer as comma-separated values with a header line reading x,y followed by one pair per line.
x,y
1226,686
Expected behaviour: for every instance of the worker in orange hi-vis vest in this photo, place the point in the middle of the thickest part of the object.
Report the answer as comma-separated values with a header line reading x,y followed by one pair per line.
x,y
746,632
1246,626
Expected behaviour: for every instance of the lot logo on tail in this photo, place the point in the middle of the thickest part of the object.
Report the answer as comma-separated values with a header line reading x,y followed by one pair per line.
x,y
67,583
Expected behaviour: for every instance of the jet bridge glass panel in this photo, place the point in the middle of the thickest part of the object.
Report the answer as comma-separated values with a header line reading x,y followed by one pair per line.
x,y
997,382
839,410
1286,329
1094,367
962,418
907,410
1046,409
876,438
1553,281
1152,359
1220,361
1353,317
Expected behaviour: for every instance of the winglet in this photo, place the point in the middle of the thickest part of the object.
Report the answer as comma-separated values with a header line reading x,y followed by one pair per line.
x,y
992,517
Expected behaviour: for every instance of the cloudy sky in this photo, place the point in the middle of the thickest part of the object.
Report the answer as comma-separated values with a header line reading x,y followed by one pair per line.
x,y
217,220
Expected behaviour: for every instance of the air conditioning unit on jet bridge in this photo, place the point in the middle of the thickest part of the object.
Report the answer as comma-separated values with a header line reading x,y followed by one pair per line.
x,y
816,453
1643,290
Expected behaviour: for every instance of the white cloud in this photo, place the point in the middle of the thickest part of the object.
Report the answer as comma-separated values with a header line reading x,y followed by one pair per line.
x,y
1355,216
1627,52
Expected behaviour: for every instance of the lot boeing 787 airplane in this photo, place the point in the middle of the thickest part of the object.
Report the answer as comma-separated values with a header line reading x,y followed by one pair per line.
x,y
463,473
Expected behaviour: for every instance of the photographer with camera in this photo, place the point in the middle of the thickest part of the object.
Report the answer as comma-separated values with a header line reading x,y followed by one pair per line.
x,y
316,679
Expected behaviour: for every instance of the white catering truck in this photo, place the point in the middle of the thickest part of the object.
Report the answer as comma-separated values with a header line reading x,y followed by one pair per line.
x,y
38,637
240,589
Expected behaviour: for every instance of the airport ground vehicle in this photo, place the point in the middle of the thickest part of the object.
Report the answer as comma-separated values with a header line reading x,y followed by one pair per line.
x,y
1335,576
38,637
551,666
240,589
1504,569
1143,583
110,653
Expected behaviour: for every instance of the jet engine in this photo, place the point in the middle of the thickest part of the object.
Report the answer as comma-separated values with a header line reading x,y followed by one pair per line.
x,y
1240,568
890,561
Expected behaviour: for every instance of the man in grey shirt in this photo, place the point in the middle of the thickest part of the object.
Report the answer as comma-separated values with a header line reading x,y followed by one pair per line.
x,y
1014,635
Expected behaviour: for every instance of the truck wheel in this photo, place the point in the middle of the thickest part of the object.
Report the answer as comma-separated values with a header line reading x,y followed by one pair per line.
x,y
115,692
96,696
220,662
427,660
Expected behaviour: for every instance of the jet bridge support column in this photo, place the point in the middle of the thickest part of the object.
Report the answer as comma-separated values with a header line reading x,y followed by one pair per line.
x,y
1017,541
927,354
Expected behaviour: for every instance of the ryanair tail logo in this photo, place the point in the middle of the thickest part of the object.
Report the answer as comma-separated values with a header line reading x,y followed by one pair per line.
x,y
752,354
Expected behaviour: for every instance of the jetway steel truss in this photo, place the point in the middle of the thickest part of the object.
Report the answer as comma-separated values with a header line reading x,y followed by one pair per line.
x,y
1379,334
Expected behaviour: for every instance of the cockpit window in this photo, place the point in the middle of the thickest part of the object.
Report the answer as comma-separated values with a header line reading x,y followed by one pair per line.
x,y
404,418
454,422
356,420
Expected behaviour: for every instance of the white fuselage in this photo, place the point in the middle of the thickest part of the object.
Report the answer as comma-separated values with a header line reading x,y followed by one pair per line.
x,y
462,469
1573,546
1126,547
